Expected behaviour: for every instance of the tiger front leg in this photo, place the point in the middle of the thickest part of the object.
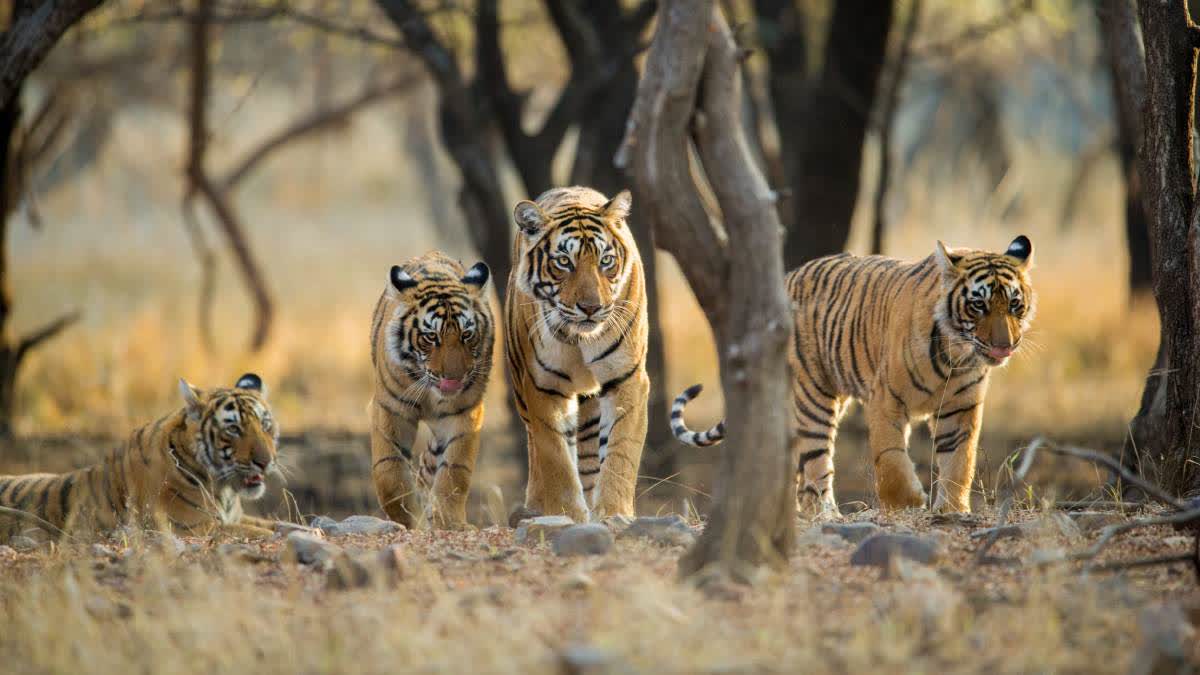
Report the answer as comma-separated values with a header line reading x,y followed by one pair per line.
x,y
455,446
622,437
554,487
955,440
392,439
896,480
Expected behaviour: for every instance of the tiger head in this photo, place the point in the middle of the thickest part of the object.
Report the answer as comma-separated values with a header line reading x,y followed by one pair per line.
x,y
235,435
989,300
575,255
441,331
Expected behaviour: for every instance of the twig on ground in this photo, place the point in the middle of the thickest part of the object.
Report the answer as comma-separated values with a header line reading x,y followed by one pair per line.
x,y
981,556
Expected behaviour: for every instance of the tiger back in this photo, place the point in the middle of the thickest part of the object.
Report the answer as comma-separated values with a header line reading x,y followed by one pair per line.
x,y
911,341
431,348
575,328
188,470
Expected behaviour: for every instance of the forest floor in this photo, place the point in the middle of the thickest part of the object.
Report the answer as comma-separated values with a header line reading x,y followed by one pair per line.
x,y
481,601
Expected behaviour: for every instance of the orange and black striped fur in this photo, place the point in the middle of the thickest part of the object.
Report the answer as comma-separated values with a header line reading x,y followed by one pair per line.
x,y
911,341
575,324
188,470
431,346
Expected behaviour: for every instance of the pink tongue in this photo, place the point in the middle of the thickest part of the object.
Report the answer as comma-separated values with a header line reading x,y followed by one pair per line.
x,y
1000,352
449,385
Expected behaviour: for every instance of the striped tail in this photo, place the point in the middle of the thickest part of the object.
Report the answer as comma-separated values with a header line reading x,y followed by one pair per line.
x,y
699,439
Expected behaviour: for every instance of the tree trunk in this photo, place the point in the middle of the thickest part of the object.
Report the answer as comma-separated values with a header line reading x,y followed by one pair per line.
x,y
690,85
823,123
1165,169
32,34
1127,69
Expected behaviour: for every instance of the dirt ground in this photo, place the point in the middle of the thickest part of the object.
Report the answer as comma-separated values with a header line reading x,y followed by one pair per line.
x,y
480,602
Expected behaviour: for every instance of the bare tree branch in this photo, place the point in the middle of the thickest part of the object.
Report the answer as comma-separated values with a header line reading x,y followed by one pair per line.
x,y
27,42
37,337
973,35
314,123
891,105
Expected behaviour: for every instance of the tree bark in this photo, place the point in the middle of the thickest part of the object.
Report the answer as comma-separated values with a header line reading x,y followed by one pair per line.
x,y
887,123
823,123
35,29
1165,169
690,90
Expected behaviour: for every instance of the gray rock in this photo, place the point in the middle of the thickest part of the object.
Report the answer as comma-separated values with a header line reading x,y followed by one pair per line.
x,y
22,543
578,582
852,532
617,524
878,550
283,528
585,539
103,551
520,512
588,660
305,549
670,530
7,550
366,525
1178,540
322,522
533,531
1091,521
243,553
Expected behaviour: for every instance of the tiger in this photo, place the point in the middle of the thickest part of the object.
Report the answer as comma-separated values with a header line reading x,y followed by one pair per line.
x,y
431,348
910,341
576,335
188,472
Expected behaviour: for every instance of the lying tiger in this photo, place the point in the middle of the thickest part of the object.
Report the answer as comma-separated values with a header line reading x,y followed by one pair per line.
x,y
188,470
431,346
910,341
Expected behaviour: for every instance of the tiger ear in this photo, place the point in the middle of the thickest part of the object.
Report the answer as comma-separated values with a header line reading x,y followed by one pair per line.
x,y
191,399
478,275
1021,250
401,280
617,208
252,382
529,217
947,258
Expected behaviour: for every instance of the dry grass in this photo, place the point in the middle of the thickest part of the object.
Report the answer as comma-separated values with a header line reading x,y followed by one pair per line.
x,y
472,602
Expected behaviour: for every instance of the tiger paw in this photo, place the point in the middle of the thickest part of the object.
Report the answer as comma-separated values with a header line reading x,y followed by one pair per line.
x,y
901,493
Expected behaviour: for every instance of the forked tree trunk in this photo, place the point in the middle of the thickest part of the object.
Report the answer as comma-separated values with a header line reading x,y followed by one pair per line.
x,y
690,91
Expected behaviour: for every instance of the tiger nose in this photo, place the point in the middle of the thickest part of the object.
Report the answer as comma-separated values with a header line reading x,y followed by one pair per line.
x,y
588,308
261,457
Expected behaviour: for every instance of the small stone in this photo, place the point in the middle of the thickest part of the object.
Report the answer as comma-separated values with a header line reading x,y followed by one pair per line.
x,y
1178,540
852,532
879,549
520,512
367,525
7,550
670,530
243,553
533,531
322,522
346,573
37,534
1091,521
578,582
585,539
22,543
304,549
589,660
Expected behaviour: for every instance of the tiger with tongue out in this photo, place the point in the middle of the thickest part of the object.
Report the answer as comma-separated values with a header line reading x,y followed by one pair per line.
x,y
431,346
